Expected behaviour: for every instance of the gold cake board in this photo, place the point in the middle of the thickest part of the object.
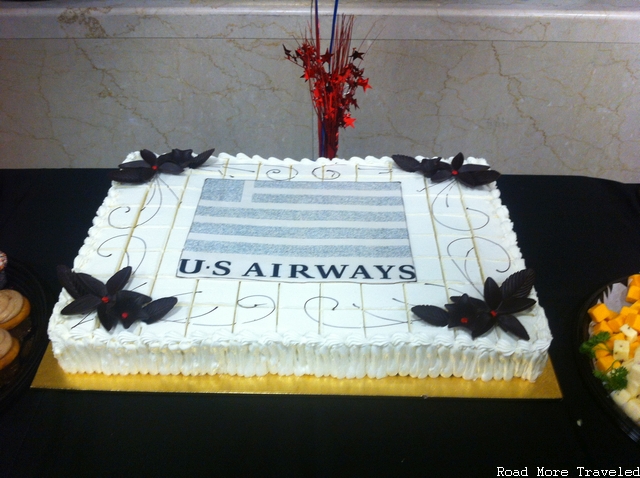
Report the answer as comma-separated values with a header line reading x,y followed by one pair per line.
x,y
50,375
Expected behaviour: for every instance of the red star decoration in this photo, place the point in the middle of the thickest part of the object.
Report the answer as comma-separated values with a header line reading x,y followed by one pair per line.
x,y
364,82
349,121
326,58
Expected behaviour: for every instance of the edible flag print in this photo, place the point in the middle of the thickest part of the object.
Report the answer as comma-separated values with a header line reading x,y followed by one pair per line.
x,y
299,231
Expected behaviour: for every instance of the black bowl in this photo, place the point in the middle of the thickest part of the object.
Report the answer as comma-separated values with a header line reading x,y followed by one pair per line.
x,y
21,278
586,365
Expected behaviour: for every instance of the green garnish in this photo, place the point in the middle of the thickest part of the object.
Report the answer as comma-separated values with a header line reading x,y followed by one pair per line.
x,y
613,380
587,347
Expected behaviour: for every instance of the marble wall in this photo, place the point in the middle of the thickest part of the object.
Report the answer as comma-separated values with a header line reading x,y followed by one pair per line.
x,y
536,87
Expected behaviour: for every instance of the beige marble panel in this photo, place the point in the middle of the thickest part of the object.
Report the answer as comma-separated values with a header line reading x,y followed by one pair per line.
x,y
528,107
86,103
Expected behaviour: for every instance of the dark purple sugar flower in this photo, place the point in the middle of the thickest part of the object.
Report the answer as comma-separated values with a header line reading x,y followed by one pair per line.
x,y
185,159
427,166
112,303
145,169
471,175
141,171
479,316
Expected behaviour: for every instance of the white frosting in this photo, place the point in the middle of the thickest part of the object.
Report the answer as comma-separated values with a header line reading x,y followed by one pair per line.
x,y
459,236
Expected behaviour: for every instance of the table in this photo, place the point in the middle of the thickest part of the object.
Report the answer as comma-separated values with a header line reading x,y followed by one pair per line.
x,y
577,233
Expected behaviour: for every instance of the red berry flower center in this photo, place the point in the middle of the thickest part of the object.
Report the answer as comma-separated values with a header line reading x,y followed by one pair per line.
x,y
105,299
494,313
124,315
464,320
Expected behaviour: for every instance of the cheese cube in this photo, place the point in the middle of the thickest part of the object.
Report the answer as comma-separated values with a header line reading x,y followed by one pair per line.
x,y
601,327
613,338
633,293
615,324
621,397
634,372
599,312
627,310
605,362
620,350
632,409
629,333
634,279
633,321
633,386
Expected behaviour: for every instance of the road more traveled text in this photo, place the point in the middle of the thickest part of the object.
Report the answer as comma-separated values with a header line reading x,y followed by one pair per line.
x,y
577,471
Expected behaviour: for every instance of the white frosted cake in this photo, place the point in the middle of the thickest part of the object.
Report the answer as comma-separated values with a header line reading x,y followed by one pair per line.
x,y
300,268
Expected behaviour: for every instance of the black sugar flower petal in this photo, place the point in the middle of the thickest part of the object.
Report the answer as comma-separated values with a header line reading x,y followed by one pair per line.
x,y
510,324
518,284
82,305
472,168
118,280
173,155
483,324
492,293
170,168
149,157
135,164
70,282
132,296
513,305
477,178
185,158
479,304
427,166
407,163
180,157
200,159
431,166
441,175
137,175
158,308
93,285
456,162
143,316
107,319
431,314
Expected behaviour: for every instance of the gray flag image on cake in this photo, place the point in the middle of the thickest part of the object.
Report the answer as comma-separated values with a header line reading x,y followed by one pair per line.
x,y
299,231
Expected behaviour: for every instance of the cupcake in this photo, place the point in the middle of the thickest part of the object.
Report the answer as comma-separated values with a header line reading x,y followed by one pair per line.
x,y
9,349
14,309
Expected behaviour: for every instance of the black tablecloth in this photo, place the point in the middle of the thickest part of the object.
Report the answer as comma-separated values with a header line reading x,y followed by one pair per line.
x,y
577,234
